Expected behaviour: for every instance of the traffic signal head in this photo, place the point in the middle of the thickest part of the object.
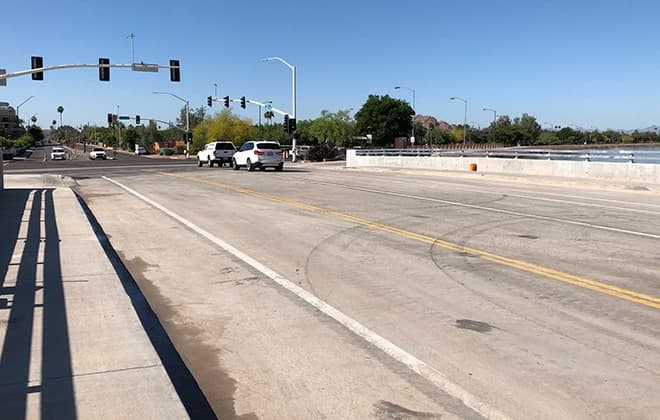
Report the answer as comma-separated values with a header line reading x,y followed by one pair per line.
x,y
37,63
292,125
137,120
285,123
243,102
226,99
109,118
104,69
175,71
209,101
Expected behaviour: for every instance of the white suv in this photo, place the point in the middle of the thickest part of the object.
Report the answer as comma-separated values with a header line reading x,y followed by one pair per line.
x,y
259,154
58,153
97,153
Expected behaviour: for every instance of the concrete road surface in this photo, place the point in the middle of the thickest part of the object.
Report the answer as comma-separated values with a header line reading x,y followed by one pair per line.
x,y
322,292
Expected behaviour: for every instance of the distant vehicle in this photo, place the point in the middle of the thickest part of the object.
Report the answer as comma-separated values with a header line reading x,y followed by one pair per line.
x,y
140,150
57,153
259,154
301,151
217,152
97,153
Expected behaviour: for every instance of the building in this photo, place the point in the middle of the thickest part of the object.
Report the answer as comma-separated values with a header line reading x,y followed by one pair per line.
x,y
9,124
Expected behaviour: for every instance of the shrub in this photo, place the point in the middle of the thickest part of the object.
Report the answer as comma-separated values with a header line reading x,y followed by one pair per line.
x,y
321,153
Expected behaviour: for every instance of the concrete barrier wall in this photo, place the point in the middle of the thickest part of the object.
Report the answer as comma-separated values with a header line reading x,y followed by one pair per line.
x,y
637,172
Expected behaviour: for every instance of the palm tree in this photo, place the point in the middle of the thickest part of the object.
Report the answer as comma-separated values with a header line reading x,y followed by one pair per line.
x,y
269,116
60,109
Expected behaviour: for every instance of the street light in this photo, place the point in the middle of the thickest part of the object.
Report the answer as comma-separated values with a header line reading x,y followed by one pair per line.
x,y
19,105
413,105
455,98
187,118
293,97
494,120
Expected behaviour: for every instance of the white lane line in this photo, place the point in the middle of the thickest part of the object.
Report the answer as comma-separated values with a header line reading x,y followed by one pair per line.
x,y
421,368
492,209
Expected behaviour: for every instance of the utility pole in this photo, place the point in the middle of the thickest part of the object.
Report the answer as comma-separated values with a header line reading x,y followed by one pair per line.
x,y
132,37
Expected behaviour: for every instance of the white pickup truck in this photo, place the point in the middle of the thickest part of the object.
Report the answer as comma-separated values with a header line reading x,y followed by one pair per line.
x,y
219,152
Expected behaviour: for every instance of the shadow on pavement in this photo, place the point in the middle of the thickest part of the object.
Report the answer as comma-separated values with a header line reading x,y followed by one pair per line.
x,y
184,383
20,291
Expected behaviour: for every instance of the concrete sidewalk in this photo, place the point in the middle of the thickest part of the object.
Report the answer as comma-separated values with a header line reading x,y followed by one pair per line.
x,y
73,344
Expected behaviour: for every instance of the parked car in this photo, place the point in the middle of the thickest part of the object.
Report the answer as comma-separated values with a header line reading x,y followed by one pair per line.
x,y
58,153
259,154
217,152
97,153
140,150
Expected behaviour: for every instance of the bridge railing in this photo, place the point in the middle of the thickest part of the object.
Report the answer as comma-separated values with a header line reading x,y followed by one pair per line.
x,y
618,155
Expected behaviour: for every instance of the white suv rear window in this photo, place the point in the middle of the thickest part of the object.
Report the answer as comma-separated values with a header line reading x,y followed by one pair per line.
x,y
268,146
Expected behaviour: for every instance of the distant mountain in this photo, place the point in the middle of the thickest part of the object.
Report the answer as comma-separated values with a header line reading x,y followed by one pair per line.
x,y
651,129
428,121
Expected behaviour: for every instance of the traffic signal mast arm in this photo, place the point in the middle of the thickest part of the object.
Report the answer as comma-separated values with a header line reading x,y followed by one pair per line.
x,y
154,67
250,101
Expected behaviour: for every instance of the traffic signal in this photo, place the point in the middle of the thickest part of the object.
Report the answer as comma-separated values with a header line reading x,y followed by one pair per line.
x,y
292,125
37,63
226,99
209,101
285,124
175,71
137,120
109,118
104,69
243,102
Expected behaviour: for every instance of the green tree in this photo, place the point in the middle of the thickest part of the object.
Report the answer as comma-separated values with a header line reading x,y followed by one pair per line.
x,y
224,126
437,137
385,118
197,115
272,132
547,137
149,135
527,130
568,136
131,138
504,131
25,140
336,128
36,132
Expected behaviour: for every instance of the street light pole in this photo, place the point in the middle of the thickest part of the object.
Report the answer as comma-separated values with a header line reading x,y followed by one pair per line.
x,y
465,116
494,120
413,106
19,105
293,97
187,119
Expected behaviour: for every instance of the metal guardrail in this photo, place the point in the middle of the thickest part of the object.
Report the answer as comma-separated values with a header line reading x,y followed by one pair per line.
x,y
612,155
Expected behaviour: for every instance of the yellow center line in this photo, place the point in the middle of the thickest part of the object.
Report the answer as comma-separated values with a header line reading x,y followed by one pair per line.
x,y
608,289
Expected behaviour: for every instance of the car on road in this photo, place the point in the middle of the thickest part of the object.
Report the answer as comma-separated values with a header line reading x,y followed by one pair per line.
x,y
98,153
140,150
217,152
302,151
259,154
58,153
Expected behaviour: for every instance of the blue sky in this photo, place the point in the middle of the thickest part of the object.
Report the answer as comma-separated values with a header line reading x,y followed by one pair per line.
x,y
588,63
